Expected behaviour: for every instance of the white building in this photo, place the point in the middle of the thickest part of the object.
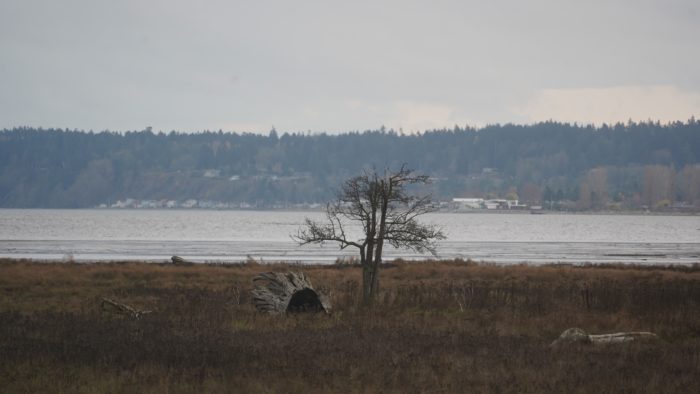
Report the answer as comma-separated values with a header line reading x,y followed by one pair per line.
x,y
468,203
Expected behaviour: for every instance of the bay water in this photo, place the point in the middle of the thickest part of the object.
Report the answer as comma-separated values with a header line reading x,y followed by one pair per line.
x,y
234,236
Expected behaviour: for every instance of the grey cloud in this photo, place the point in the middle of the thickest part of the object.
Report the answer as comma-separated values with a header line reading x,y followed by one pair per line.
x,y
200,65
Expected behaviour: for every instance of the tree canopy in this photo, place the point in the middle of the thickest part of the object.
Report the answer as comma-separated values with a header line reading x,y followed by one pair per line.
x,y
69,168
387,213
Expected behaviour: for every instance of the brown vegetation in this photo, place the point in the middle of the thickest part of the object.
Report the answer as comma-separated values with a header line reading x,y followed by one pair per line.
x,y
451,326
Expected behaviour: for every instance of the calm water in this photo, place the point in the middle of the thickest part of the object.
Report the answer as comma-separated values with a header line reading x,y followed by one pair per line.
x,y
234,235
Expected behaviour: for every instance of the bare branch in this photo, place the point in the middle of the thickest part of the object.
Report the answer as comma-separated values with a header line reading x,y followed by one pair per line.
x,y
386,212
316,233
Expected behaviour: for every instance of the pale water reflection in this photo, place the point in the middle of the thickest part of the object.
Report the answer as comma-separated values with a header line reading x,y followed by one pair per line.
x,y
202,235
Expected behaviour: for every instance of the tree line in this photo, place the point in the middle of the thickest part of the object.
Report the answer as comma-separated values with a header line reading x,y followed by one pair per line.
x,y
560,164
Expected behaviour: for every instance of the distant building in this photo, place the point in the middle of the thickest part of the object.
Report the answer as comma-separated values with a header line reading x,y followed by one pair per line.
x,y
504,204
127,203
480,203
212,173
191,203
468,203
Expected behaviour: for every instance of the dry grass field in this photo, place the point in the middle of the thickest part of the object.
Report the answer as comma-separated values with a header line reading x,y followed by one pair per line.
x,y
448,326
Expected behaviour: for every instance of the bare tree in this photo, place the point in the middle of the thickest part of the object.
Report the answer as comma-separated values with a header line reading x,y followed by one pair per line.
x,y
386,213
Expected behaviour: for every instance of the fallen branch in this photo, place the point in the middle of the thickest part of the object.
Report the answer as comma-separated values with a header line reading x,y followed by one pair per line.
x,y
577,335
620,337
122,309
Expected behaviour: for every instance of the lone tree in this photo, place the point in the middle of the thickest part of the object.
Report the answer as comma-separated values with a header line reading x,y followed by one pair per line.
x,y
380,204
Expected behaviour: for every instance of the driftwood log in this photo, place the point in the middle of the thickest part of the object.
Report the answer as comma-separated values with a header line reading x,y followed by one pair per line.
x,y
122,309
279,293
178,260
577,335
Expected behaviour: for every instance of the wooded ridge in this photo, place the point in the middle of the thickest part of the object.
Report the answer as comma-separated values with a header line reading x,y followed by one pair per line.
x,y
634,165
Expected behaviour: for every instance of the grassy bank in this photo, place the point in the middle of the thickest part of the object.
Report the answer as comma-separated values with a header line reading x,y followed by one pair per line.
x,y
437,327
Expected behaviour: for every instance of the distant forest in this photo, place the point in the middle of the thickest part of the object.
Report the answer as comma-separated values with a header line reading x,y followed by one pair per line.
x,y
558,165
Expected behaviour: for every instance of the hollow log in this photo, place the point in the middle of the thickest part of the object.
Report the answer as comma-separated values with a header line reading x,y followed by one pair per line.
x,y
577,335
178,260
122,309
280,293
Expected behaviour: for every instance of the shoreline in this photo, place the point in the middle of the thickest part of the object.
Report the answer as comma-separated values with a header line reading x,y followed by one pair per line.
x,y
439,211
343,264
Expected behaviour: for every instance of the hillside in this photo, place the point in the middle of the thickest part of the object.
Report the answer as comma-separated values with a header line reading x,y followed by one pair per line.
x,y
560,165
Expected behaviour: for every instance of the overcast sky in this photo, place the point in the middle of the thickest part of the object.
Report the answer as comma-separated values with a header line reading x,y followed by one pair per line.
x,y
345,65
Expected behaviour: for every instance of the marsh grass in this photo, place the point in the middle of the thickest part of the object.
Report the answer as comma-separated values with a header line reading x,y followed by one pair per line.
x,y
449,326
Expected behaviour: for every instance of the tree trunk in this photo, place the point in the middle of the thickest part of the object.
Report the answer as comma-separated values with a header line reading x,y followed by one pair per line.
x,y
374,285
377,261
367,275
369,272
